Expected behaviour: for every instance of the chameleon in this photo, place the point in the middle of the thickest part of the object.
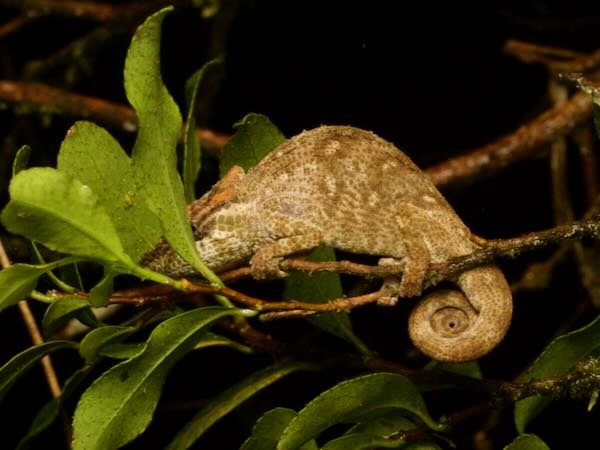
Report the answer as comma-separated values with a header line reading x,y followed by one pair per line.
x,y
349,189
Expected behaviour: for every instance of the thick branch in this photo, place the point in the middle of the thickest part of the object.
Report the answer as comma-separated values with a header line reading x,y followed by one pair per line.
x,y
581,382
463,169
491,251
556,59
503,248
518,145
509,248
35,334
64,102
101,12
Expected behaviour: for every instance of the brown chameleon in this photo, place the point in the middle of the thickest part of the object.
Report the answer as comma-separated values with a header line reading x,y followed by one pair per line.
x,y
349,189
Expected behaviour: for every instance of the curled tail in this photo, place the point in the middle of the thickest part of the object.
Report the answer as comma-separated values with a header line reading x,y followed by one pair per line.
x,y
455,326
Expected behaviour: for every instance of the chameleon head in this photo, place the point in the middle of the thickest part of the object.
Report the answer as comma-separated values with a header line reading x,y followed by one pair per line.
x,y
227,235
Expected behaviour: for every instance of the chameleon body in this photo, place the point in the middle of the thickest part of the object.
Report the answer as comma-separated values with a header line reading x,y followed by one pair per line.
x,y
350,189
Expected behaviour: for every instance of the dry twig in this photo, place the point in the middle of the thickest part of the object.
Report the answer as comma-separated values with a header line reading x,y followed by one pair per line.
x,y
492,250
516,146
60,101
35,334
556,60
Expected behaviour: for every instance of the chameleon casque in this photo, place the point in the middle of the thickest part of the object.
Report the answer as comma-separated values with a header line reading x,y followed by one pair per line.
x,y
350,189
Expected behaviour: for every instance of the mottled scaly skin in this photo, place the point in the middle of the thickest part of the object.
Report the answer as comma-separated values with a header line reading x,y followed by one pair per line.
x,y
351,190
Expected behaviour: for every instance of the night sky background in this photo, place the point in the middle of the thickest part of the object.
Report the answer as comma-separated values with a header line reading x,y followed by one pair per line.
x,y
430,77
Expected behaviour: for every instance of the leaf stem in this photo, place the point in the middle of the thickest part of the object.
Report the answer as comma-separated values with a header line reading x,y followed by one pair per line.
x,y
45,298
57,281
183,284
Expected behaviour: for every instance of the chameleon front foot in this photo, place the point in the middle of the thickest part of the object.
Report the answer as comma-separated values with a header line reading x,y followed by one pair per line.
x,y
408,285
266,269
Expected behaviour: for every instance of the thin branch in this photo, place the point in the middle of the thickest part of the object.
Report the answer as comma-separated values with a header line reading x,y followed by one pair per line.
x,y
509,248
60,101
78,53
492,250
591,87
555,59
529,52
516,146
563,209
100,12
538,275
15,24
464,169
347,267
581,382
35,334
585,140
81,9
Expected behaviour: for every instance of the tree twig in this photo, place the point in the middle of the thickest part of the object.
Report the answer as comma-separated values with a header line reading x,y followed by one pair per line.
x,y
492,250
582,381
100,12
15,24
518,145
555,59
60,101
77,53
35,334
464,169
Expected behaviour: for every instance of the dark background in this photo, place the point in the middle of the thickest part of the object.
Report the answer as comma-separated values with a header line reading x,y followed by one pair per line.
x,y
430,77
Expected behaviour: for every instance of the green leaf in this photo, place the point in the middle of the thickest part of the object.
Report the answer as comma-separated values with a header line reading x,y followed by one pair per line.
x,y
100,294
119,405
90,154
367,441
43,419
353,400
268,429
360,441
21,160
385,425
210,339
121,351
37,258
229,399
62,311
527,442
379,432
17,281
154,153
70,275
48,414
319,288
19,364
50,207
95,341
254,138
191,143
557,358
469,369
